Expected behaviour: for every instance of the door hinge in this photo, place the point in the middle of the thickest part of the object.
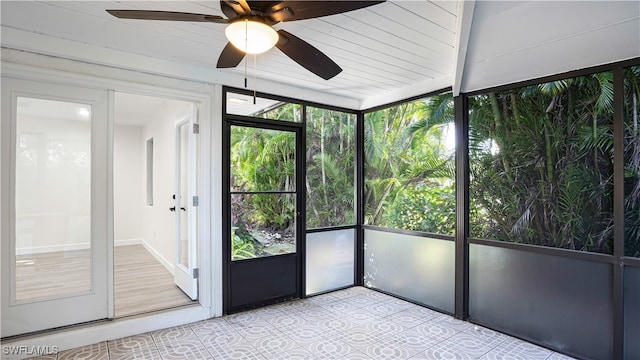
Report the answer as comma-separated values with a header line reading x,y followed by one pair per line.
x,y
196,273
196,128
196,201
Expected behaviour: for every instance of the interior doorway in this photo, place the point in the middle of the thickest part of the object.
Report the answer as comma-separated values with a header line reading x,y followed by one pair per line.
x,y
155,216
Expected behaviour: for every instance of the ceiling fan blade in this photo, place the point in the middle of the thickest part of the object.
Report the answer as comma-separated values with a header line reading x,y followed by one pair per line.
x,y
306,55
166,15
299,10
230,56
234,8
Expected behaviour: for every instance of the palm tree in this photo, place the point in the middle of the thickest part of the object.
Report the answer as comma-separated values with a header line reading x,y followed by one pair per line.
x,y
541,164
330,178
409,169
632,161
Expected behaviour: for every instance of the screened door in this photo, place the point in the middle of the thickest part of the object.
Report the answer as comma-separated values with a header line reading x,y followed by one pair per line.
x,y
264,210
54,206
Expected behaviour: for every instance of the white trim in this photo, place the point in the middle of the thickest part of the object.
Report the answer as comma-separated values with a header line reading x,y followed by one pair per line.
x,y
463,30
212,195
111,292
52,248
18,47
109,330
406,92
125,242
166,263
37,67
50,46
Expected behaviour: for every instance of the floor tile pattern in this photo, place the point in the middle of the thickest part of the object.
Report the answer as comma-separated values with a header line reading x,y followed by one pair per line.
x,y
352,324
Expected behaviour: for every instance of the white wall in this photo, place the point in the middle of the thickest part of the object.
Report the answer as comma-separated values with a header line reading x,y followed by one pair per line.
x,y
157,221
128,183
52,184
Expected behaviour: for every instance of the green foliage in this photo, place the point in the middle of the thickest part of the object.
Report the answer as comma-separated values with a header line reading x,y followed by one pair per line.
x,y
430,207
541,164
409,166
242,248
282,111
541,167
330,174
632,161
262,160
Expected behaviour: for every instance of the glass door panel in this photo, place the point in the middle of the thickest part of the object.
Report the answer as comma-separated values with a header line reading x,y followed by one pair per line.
x,y
52,199
182,206
262,160
263,195
54,206
250,237
186,235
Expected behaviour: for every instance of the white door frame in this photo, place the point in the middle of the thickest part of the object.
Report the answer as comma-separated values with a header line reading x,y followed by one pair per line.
x,y
36,67
20,317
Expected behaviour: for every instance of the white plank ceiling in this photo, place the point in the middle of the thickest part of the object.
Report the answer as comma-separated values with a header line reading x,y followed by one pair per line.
x,y
387,51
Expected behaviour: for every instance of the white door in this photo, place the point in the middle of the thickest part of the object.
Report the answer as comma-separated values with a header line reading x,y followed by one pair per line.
x,y
185,270
54,145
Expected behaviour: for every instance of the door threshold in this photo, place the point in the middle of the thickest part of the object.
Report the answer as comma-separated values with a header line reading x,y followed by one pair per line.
x,y
79,335
153,311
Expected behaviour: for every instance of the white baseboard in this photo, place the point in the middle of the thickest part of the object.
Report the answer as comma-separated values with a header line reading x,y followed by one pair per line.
x,y
70,247
125,242
167,264
51,248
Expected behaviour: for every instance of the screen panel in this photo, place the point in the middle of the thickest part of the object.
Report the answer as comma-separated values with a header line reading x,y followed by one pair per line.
x,y
409,166
330,161
417,268
560,302
631,312
330,260
541,164
247,105
631,162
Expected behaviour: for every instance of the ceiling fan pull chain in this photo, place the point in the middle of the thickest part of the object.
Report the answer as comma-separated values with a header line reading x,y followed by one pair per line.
x,y
255,62
246,45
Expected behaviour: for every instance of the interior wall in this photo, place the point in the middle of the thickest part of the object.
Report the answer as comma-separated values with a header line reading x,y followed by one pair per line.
x,y
156,220
52,185
128,184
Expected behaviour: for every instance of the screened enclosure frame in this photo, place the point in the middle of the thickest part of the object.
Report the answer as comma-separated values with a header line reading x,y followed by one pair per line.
x,y
228,120
617,261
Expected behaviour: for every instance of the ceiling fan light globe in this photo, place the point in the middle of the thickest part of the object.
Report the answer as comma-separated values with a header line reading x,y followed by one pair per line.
x,y
250,36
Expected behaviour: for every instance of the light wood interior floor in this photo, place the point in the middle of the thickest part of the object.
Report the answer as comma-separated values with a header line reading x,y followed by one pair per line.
x,y
51,274
142,284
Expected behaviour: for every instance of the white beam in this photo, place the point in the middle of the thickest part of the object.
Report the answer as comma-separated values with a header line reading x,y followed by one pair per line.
x,y
463,30
406,92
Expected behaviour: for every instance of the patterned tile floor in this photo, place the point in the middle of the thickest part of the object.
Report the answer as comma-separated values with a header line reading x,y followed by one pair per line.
x,y
350,324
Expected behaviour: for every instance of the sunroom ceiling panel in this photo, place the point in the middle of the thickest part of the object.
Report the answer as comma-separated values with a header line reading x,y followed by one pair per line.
x,y
515,41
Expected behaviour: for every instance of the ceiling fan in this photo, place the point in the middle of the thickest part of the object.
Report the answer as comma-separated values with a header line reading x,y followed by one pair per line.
x,y
250,30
